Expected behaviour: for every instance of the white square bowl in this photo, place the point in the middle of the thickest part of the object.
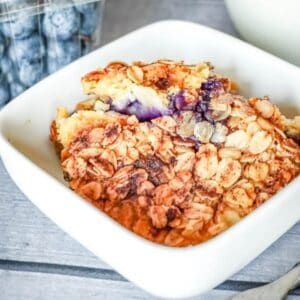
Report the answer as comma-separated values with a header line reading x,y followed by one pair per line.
x,y
163,271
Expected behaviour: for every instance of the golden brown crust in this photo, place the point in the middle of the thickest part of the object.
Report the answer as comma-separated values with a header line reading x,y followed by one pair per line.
x,y
54,138
176,180
163,188
159,75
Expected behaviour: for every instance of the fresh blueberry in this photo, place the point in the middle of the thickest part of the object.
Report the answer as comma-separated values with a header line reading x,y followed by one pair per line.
x,y
52,65
4,91
88,23
64,49
20,27
5,63
12,76
30,73
30,49
2,45
87,8
16,88
9,69
61,24
61,53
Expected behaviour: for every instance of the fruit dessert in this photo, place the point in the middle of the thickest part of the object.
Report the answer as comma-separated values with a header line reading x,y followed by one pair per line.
x,y
172,152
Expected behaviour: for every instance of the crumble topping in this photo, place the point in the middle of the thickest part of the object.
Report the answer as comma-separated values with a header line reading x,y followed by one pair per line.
x,y
182,176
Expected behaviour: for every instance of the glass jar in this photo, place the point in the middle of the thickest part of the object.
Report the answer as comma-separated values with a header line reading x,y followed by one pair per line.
x,y
38,37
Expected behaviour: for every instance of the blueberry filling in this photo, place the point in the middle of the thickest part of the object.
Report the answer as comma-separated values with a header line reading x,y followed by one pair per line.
x,y
212,84
202,106
210,88
178,102
119,107
142,112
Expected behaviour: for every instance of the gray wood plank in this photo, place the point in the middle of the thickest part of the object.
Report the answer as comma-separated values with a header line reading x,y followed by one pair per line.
x,y
15,285
27,235
51,286
123,16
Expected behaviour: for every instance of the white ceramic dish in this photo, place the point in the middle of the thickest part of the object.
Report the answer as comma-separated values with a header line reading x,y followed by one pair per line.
x,y
163,271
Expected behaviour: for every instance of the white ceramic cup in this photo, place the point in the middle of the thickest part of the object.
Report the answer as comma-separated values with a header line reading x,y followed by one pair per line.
x,y
273,25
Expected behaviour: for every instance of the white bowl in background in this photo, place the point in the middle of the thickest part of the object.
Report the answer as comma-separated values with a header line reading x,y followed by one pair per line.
x,y
164,271
273,25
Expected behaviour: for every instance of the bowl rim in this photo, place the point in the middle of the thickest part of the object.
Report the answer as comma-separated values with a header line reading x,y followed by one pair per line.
x,y
273,201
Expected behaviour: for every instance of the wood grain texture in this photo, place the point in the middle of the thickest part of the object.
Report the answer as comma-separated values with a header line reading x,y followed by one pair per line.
x,y
26,234
37,286
44,286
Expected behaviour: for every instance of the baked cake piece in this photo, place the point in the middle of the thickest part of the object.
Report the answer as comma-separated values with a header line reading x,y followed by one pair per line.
x,y
176,155
147,89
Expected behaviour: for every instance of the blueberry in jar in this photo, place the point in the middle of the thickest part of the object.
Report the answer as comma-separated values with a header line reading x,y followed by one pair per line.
x,y
88,23
12,76
52,65
2,45
64,51
20,26
30,49
61,24
16,88
61,53
4,91
86,8
30,73
6,64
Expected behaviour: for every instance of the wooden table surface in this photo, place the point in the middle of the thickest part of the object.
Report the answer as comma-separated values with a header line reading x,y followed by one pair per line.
x,y
39,261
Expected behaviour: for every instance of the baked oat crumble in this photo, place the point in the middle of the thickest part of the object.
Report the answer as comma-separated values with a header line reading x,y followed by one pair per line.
x,y
172,152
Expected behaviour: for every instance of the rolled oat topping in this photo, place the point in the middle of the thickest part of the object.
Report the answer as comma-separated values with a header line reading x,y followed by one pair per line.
x,y
171,152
